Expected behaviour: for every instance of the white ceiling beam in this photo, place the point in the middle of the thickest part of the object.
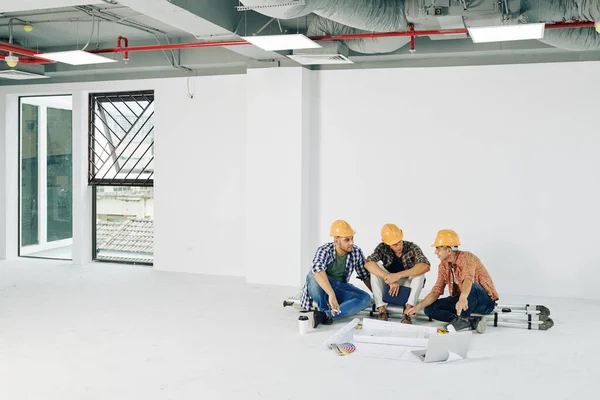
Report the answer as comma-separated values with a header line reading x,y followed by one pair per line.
x,y
29,5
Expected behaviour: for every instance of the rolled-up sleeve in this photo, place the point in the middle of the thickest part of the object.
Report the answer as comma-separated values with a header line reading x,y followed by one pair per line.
x,y
440,284
420,257
377,254
319,262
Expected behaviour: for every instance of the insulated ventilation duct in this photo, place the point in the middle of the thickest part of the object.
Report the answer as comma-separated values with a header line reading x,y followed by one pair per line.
x,y
335,17
566,10
320,26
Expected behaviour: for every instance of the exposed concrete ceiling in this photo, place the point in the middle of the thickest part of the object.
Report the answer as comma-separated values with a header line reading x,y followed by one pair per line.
x,y
70,26
67,24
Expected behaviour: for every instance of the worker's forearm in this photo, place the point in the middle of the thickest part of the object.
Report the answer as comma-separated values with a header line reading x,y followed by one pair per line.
x,y
417,270
428,300
374,269
323,281
466,288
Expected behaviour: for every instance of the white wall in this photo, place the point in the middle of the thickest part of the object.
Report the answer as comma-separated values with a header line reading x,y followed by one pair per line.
x,y
505,155
277,175
199,182
200,144
8,178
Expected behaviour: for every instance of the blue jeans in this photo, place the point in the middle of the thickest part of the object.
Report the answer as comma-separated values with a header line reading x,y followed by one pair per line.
x,y
445,309
350,298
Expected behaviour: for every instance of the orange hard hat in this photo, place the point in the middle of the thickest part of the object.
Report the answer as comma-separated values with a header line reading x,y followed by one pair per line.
x,y
446,237
341,228
391,234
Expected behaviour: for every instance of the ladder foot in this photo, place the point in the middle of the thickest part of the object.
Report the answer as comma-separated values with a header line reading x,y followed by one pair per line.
x,y
543,310
546,325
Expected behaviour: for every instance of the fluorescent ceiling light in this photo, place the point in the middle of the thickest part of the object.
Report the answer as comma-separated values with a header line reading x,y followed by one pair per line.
x,y
20,75
76,57
282,42
506,33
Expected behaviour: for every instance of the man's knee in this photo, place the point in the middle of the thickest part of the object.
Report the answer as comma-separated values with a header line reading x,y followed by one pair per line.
x,y
313,286
416,282
476,288
376,280
475,293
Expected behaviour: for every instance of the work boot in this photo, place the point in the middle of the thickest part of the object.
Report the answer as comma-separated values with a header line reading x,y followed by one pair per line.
x,y
319,317
383,313
479,324
459,324
406,319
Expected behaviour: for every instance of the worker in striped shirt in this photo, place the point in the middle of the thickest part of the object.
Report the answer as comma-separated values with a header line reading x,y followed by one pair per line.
x,y
470,286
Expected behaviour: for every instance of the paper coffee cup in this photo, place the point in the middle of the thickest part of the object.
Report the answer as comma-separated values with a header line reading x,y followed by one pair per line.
x,y
303,324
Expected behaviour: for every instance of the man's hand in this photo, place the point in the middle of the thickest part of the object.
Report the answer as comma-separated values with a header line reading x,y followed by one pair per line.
x,y
394,289
413,311
333,305
391,278
462,305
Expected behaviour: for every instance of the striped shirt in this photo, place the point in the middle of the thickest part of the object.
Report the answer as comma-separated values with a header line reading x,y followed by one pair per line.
x,y
466,265
324,256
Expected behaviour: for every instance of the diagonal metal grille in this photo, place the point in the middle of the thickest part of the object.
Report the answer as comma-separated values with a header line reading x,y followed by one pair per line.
x,y
121,139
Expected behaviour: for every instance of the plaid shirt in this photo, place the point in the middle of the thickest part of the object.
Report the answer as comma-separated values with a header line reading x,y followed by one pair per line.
x,y
466,265
326,255
411,255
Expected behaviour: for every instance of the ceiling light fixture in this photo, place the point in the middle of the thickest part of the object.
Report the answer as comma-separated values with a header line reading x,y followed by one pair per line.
x,y
282,42
320,59
20,75
11,60
76,57
507,33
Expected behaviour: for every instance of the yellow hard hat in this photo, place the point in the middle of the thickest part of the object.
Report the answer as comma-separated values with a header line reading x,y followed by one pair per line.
x,y
341,228
391,234
446,237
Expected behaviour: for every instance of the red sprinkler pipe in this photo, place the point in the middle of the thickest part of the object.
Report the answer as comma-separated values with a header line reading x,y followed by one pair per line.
x,y
126,55
25,60
173,46
570,25
411,33
18,49
391,34
411,28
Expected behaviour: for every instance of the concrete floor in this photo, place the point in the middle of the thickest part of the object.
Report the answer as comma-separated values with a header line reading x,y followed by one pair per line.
x,y
123,332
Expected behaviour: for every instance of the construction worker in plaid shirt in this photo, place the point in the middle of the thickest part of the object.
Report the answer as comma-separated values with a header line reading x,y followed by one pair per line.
x,y
402,264
327,283
469,283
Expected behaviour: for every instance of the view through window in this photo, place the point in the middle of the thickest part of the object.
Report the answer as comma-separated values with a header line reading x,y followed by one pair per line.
x,y
121,160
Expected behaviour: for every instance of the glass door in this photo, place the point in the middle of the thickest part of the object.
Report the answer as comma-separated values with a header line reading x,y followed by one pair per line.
x,y
46,219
